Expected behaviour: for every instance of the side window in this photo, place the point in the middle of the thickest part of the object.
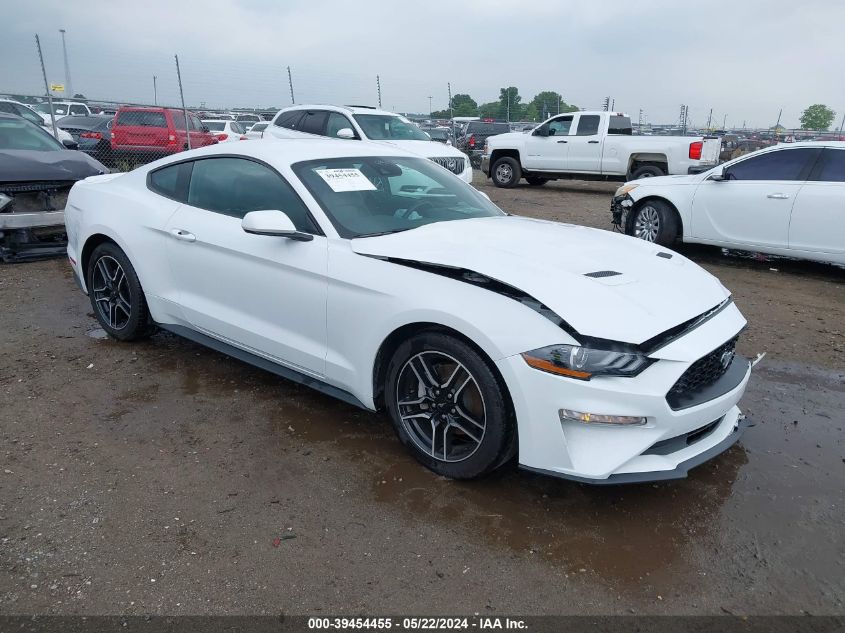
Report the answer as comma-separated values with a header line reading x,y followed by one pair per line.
x,y
560,126
167,182
236,186
833,166
337,122
7,107
314,122
588,125
196,124
178,119
785,164
78,109
289,120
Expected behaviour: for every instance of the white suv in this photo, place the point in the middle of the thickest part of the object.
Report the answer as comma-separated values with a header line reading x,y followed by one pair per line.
x,y
366,123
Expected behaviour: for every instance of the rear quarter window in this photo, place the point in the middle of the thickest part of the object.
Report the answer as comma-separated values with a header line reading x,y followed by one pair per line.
x,y
170,181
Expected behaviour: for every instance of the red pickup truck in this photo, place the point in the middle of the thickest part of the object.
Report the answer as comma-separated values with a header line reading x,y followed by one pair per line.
x,y
145,133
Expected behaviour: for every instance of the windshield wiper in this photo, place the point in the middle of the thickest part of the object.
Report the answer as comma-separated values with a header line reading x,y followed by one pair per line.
x,y
385,232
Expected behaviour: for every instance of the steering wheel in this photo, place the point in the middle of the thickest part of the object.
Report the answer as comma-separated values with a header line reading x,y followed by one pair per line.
x,y
419,205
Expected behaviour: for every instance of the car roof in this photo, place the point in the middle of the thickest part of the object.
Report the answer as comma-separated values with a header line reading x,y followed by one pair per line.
x,y
288,151
837,144
348,109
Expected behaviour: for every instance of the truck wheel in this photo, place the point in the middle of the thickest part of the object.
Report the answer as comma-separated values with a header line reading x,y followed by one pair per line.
x,y
536,182
647,171
506,172
655,221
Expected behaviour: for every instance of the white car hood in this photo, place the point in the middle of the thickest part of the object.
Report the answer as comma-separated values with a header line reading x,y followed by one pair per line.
x,y
549,261
660,181
429,149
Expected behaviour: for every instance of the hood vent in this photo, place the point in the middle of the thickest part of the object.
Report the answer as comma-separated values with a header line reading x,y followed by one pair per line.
x,y
599,274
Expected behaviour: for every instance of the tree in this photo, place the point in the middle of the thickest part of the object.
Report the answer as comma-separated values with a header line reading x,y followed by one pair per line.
x,y
509,101
817,117
464,105
492,110
549,103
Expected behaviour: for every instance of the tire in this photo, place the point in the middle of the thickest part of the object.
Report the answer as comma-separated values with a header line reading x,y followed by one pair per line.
x,y
118,302
476,421
655,221
506,172
647,171
534,181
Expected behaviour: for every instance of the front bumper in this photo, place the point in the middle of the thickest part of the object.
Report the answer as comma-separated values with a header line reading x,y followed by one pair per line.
x,y
670,443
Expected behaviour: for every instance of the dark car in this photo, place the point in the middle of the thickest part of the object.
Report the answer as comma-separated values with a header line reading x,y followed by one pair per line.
x,y
36,174
475,133
92,134
439,134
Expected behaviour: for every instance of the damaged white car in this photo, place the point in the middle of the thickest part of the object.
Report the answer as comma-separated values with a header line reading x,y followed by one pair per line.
x,y
380,278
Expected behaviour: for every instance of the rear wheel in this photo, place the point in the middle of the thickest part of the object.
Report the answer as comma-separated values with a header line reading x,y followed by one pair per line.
x,y
116,294
647,171
506,172
534,181
655,221
448,407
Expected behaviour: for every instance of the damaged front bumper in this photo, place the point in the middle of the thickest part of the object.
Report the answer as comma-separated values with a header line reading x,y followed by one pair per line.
x,y
32,221
620,207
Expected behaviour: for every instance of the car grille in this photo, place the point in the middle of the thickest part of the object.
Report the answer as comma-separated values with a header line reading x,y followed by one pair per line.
x,y
452,163
36,196
704,372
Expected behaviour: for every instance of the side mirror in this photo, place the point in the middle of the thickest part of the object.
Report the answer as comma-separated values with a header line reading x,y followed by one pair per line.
x,y
275,223
70,144
720,175
345,133
543,130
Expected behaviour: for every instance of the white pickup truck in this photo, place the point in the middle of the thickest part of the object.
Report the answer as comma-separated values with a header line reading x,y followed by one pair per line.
x,y
592,146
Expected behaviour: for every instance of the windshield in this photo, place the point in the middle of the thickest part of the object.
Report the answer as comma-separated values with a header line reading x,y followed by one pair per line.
x,y
382,127
17,134
368,196
215,126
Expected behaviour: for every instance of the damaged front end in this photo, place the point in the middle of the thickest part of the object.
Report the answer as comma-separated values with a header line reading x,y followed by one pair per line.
x,y
32,222
620,208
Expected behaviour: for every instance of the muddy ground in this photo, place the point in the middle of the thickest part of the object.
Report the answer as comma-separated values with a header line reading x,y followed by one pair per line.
x,y
161,477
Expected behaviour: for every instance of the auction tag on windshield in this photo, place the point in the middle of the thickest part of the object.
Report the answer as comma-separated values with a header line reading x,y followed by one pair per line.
x,y
341,180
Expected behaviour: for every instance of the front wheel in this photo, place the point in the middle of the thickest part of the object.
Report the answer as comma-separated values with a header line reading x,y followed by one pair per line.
x,y
655,221
116,294
506,172
448,407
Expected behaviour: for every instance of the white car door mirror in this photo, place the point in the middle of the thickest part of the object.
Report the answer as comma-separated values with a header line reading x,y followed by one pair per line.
x,y
275,223
719,175
345,132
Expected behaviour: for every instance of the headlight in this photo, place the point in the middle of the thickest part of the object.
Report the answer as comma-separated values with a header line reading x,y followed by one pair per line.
x,y
624,189
583,363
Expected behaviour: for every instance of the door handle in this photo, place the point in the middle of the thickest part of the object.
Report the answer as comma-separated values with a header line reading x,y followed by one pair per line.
x,y
182,234
592,141
778,196
561,141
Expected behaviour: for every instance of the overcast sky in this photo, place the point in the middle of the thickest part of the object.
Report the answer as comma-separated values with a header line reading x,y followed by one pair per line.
x,y
744,58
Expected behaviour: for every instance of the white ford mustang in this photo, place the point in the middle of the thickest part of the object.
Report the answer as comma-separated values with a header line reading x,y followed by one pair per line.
x,y
379,277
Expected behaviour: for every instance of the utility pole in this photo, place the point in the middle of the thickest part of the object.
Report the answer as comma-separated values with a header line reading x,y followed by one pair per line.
x,y
709,118
378,85
155,91
508,115
69,86
777,125
724,121
451,109
613,105
559,104
640,122
290,83
47,87
429,106
182,96
841,125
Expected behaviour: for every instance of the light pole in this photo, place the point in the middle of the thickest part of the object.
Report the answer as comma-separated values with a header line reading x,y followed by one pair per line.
x,y
155,91
724,121
69,86
429,106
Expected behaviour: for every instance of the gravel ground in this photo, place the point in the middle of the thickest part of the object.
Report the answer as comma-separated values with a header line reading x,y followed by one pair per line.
x,y
161,477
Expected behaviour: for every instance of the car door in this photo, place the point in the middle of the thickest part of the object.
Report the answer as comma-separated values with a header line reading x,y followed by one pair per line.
x,y
752,206
584,154
314,122
265,294
818,215
549,152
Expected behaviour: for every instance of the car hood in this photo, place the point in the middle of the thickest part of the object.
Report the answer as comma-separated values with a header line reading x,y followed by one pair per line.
x,y
550,261
28,165
508,137
429,149
660,181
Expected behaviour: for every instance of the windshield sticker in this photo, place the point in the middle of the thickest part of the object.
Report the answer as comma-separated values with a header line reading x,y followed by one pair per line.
x,y
341,180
